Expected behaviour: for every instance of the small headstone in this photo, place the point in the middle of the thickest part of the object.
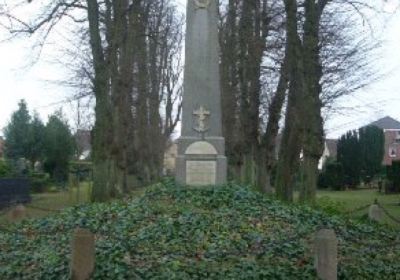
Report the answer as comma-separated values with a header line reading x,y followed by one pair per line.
x,y
17,213
83,254
326,254
375,213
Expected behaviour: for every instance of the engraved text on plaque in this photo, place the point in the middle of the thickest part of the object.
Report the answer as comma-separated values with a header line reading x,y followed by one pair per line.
x,y
201,172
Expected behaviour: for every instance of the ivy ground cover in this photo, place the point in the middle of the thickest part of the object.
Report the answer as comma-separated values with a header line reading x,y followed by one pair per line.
x,y
227,232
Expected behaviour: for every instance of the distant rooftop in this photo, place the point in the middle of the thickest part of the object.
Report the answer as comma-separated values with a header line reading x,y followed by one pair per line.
x,y
386,123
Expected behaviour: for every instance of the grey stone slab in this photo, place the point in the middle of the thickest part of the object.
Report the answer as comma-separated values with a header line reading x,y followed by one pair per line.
x,y
326,252
375,213
82,255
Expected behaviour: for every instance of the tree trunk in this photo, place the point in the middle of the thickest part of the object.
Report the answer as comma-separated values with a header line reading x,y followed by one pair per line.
x,y
102,132
268,143
292,135
251,49
313,126
228,42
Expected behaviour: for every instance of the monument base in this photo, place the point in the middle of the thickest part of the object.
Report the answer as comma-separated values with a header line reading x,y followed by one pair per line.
x,y
201,162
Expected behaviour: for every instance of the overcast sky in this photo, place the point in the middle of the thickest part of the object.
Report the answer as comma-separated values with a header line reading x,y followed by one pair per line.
x,y
19,80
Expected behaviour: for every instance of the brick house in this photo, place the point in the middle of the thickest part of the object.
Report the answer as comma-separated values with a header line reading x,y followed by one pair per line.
x,y
391,130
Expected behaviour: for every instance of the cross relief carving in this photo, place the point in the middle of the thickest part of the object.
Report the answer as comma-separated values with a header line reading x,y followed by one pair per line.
x,y
202,114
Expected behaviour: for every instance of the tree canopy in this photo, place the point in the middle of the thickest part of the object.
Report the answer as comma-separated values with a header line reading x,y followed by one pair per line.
x,y
59,147
17,133
26,137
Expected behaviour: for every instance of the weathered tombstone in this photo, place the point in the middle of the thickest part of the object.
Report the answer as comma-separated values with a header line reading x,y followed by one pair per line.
x,y
17,213
375,213
83,254
326,254
201,148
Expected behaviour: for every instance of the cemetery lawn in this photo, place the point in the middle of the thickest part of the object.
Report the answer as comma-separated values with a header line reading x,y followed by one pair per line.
x,y
42,204
226,232
346,201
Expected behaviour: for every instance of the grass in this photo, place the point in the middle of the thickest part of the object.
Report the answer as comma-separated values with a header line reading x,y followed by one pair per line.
x,y
350,200
43,202
58,200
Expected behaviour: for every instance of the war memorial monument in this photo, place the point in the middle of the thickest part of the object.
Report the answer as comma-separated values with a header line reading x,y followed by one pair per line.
x,y
201,148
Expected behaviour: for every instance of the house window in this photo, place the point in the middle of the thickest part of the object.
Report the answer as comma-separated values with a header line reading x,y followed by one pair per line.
x,y
397,140
392,152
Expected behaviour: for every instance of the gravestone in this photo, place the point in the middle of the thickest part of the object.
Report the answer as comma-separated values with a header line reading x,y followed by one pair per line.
x,y
201,148
326,259
83,255
375,213
17,213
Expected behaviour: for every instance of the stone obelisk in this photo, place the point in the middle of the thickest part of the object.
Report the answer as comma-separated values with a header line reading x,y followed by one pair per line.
x,y
201,148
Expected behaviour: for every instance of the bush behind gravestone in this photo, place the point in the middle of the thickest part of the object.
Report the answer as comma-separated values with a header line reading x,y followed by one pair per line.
x,y
332,176
40,182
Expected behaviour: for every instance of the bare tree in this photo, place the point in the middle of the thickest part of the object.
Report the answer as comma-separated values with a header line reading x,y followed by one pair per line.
x,y
133,72
322,61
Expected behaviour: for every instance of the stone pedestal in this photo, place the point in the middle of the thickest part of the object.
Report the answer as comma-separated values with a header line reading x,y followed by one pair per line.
x,y
201,162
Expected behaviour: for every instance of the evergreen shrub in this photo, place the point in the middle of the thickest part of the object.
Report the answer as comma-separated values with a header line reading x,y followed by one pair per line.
x,y
332,176
40,182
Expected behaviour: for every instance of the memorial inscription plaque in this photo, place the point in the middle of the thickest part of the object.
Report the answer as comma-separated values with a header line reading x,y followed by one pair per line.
x,y
200,172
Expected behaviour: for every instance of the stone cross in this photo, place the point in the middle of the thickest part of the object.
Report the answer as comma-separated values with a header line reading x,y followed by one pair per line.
x,y
201,111
202,115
